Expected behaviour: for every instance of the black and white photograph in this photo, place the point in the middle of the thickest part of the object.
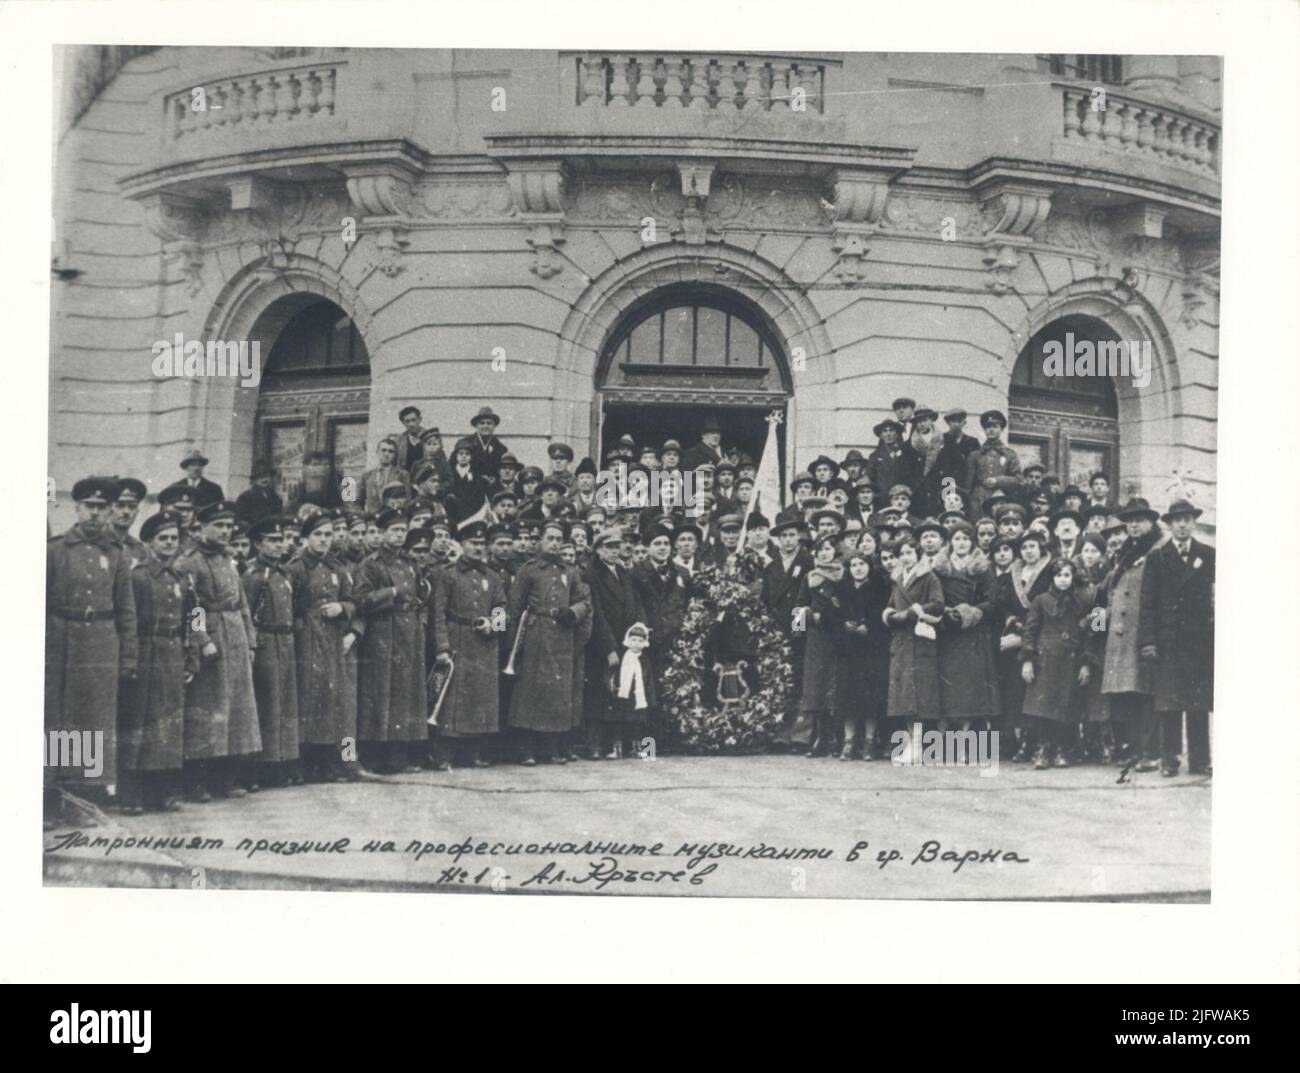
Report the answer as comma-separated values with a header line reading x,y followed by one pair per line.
x,y
643,473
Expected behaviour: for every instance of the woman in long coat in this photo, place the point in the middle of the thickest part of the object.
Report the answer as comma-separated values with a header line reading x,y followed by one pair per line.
x,y
152,726
391,714
862,657
326,707
221,725
823,624
916,600
968,686
1095,742
468,598
545,703
1055,660
1013,592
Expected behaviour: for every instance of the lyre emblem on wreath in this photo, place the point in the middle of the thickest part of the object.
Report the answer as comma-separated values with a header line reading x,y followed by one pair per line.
x,y
732,687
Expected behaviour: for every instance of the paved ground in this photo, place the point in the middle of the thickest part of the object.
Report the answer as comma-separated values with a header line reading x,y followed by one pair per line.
x,y
789,825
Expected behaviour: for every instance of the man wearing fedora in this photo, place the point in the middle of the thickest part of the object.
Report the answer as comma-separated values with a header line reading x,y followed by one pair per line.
x,y
1128,681
709,449
487,450
202,490
261,500
1177,637
892,461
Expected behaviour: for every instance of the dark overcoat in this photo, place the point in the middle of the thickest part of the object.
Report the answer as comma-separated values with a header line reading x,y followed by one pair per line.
x,y
1057,636
862,663
326,690
463,593
220,705
152,724
269,592
90,640
615,606
391,706
823,623
1123,670
1178,618
548,679
664,593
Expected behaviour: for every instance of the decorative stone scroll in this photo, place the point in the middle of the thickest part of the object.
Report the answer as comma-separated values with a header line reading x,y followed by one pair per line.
x,y
1014,213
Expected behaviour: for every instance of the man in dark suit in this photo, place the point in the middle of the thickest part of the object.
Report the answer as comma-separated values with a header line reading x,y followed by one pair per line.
x,y
488,451
611,721
663,588
201,490
1176,634
708,449
893,461
261,500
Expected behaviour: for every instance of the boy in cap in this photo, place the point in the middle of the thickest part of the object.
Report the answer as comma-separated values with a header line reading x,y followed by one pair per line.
x,y
90,640
151,719
268,590
222,733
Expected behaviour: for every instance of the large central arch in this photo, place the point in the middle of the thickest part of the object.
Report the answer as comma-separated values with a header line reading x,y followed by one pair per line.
x,y
619,291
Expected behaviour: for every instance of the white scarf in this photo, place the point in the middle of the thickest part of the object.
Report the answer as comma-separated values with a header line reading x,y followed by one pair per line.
x,y
631,678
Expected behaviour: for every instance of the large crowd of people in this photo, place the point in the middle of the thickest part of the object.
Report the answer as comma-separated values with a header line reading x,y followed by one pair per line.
x,y
238,646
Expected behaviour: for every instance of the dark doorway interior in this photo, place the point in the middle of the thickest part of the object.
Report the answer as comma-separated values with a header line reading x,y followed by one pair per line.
x,y
742,426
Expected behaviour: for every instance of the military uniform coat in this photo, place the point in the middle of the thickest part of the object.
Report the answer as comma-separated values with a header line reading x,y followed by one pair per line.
x,y
548,679
997,462
90,639
462,593
220,705
152,723
268,589
392,691
1178,618
913,660
326,689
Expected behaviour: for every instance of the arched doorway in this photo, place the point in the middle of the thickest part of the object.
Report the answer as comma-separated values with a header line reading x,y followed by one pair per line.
x,y
684,353
1069,424
314,401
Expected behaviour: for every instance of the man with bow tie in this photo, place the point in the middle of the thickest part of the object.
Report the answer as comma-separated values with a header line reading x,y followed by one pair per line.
x,y
1177,635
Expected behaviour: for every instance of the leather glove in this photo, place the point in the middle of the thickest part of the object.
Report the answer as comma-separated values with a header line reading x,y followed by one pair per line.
x,y
565,617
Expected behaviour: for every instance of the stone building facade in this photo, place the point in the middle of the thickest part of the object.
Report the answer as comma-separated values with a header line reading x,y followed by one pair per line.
x,y
599,243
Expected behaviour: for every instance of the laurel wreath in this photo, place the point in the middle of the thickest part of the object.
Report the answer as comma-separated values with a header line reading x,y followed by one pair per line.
x,y
702,724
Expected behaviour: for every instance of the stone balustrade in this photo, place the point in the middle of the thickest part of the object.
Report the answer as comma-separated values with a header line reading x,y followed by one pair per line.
x,y
703,82
252,102
1154,131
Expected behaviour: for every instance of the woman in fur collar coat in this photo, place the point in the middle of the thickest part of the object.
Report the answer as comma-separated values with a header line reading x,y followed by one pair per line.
x,y
1014,591
968,687
916,603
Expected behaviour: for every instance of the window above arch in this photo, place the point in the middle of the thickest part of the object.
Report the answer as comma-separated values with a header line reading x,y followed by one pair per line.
x,y
696,334
318,339
1033,387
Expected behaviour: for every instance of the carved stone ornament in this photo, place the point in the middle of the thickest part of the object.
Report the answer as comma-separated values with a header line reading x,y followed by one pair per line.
x,y
537,190
383,200
857,206
1013,214
179,222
